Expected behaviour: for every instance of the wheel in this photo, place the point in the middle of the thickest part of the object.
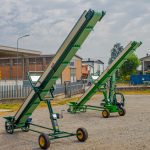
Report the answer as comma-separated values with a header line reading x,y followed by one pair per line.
x,y
9,128
68,110
89,83
25,128
121,111
105,113
82,134
44,141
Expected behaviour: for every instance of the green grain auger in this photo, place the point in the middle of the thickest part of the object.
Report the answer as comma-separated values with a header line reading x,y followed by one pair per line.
x,y
110,103
44,85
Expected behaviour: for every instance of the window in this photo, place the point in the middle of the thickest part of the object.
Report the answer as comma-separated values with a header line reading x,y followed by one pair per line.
x,y
73,74
72,63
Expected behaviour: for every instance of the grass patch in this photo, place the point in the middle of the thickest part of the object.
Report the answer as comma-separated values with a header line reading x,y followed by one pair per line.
x,y
15,106
145,92
12,107
132,92
61,101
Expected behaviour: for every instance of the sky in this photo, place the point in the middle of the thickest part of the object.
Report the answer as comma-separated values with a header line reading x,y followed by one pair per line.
x,y
49,22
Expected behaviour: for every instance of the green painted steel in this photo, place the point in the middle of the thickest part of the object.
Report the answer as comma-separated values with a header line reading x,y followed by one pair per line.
x,y
112,87
63,56
105,76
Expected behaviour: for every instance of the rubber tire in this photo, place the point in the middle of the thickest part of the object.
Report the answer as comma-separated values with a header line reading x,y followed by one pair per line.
x,y
84,133
9,130
46,141
25,128
105,113
68,110
121,111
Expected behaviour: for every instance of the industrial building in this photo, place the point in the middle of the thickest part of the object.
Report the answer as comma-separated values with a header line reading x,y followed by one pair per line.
x,y
15,64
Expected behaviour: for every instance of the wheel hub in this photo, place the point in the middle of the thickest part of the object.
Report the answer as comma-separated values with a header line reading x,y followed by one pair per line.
x,y
80,134
42,141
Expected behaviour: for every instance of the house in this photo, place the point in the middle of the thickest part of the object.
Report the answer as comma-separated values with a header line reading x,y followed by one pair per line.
x,y
91,66
145,64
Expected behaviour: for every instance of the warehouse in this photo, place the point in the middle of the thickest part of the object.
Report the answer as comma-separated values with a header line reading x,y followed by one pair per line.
x,y
14,65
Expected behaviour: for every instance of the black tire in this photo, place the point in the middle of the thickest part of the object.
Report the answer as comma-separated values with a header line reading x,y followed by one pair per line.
x,y
44,141
25,128
105,113
121,111
9,128
82,134
68,110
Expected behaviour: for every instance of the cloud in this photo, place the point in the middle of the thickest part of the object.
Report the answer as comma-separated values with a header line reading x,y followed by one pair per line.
x,y
49,22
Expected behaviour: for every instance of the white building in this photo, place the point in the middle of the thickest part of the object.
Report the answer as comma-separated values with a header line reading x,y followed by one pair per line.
x,y
145,64
94,65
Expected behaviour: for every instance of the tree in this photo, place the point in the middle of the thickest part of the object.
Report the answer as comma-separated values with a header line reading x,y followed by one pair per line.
x,y
115,51
129,67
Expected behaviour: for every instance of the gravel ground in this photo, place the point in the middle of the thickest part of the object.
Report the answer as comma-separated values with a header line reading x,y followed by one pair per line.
x,y
131,132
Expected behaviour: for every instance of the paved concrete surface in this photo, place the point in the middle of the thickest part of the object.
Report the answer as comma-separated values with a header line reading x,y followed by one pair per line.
x,y
131,132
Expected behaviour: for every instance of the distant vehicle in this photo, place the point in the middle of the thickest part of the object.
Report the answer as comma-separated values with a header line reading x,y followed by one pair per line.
x,y
92,78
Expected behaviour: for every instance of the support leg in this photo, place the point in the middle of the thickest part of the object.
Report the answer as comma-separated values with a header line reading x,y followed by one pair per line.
x,y
53,117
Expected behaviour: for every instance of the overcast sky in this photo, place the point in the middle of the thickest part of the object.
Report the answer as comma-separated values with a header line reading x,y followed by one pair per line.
x,y
49,21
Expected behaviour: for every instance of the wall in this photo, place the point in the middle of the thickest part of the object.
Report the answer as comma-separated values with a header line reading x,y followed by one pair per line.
x,y
8,67
78,66
66,74
85,71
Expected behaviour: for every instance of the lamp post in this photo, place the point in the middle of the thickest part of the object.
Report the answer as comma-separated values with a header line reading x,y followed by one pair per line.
x,y
17,61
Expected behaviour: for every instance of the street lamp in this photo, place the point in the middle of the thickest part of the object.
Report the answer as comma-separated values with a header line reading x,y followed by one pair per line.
x,y
17,59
